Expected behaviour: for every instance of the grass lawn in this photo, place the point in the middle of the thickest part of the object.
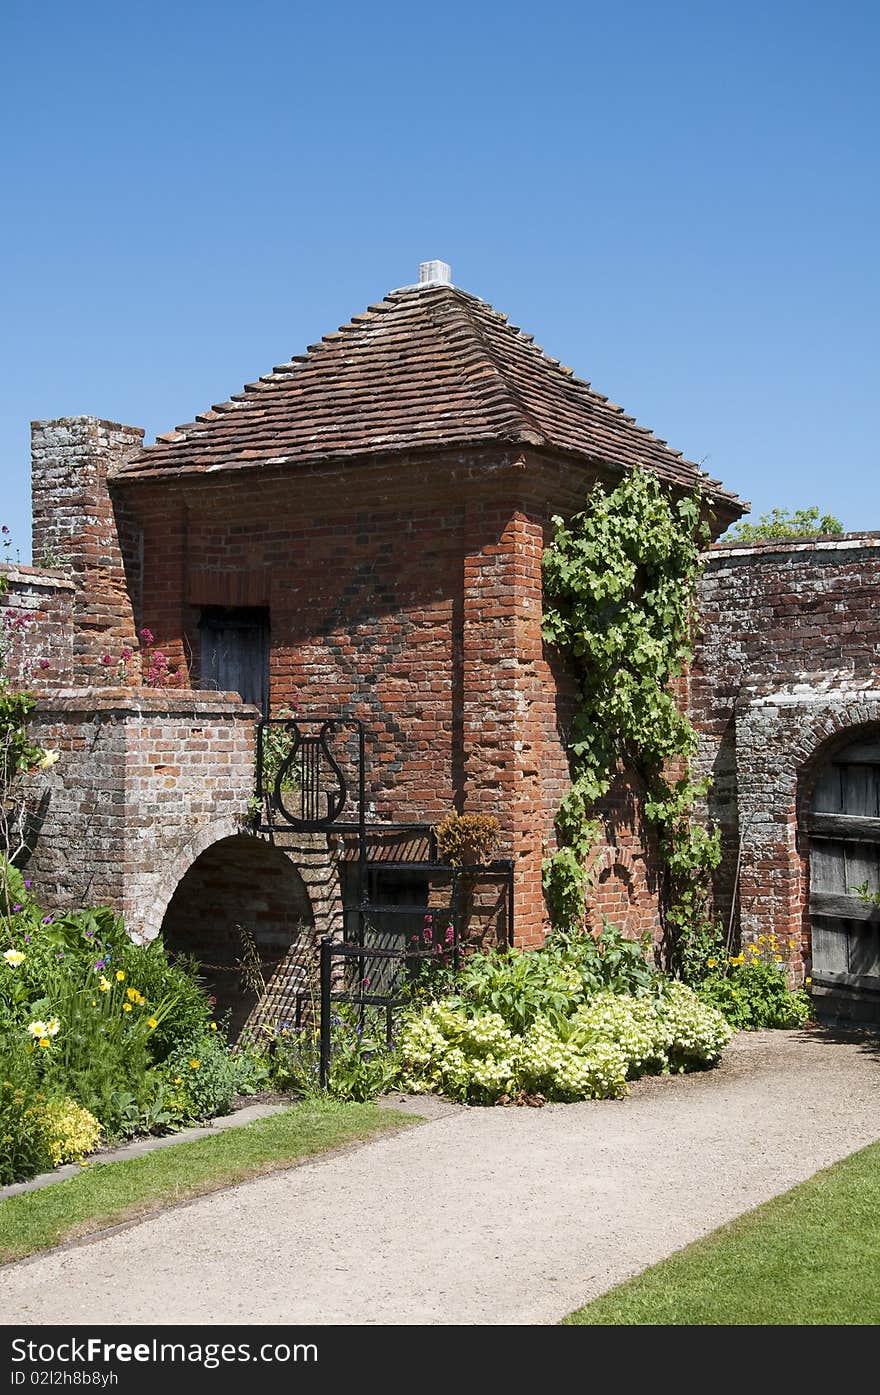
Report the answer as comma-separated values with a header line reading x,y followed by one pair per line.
x,y
811,1256
106,1194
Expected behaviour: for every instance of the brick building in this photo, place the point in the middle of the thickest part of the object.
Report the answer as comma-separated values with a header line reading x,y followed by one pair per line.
x,y
358,535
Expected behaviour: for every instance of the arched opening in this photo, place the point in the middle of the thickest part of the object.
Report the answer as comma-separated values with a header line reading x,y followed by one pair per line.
x,y
243,911
843,825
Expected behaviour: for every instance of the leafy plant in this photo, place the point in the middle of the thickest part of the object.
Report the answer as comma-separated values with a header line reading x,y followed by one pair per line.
x,y
25,1140
866,895
361,1064
201,1077
755,995
619,596
783,523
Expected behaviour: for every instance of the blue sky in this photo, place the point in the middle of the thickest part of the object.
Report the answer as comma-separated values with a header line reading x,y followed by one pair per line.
x,y
681,201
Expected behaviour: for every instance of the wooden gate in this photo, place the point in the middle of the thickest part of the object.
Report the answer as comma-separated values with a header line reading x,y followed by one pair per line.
x,y
844,829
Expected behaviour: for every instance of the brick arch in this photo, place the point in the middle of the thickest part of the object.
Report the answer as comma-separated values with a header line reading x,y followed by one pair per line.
x,y
149,922
242,883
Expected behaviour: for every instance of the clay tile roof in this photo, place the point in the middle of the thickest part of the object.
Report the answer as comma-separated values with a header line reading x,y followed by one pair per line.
x,y
427,367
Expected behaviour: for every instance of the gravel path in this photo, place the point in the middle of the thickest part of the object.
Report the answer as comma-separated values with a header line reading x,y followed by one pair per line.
x,y
486,1216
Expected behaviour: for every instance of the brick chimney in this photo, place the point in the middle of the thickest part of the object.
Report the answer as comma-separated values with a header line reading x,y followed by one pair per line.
x,y
77,527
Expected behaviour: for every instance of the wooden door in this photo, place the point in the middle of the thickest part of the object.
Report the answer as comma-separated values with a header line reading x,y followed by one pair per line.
x,y
844,826
235,653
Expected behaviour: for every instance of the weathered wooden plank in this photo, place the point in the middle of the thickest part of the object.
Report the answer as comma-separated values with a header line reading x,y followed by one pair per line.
x,y
860,790
862,861
859,753
856,826
842,907
828,865
828,794
865,981
830,949
864,951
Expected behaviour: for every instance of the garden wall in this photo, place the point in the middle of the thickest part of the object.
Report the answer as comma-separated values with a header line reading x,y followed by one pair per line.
x,y
788,659
145,782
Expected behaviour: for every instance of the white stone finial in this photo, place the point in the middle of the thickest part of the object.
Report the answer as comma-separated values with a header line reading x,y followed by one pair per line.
x,y
435,274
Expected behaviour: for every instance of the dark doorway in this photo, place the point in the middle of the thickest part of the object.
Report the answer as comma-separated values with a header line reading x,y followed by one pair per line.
x,y
235,652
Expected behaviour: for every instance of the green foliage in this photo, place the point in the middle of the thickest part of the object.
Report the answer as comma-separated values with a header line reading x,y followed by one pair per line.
x,y
25,1141
484,1057
619,591
73,1131
361,1064
783,523
866,895
553,981
754,995
201,1078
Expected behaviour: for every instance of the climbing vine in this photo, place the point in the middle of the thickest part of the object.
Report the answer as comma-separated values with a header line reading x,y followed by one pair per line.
x,y
619,593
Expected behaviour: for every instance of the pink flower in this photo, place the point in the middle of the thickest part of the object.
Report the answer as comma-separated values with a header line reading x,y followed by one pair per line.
x,y
125,654
106,660
147,636
44,663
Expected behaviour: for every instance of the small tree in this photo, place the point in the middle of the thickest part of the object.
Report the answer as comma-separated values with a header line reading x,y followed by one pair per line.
x,y
783,523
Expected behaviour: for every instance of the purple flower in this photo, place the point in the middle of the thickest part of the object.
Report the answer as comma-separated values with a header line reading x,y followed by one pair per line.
x,y
89,934
27,885
5,529
47,920
27,939
100,965
15,909
60,954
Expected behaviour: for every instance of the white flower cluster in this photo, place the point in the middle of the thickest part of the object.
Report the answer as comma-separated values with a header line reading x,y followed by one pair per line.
x,y
613,1038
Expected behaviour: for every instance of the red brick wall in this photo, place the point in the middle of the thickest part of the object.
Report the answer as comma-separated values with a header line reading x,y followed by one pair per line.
x,y
407,594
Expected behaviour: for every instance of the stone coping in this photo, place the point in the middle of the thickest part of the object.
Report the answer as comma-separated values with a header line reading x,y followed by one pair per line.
x,y
51,577
829,543
139,702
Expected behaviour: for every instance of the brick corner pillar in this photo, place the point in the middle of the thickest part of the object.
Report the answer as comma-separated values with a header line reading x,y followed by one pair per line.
x,y
501,650
75,524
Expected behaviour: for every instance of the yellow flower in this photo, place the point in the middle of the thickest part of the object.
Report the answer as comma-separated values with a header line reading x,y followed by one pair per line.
x,y
808,980
762,939
94,1002
791,944
213,1026
120,975
47,759
711,963
126,1007
178,1080
103,985
132,995
777,959
13,957
84,1164
151,1022
44,1041
194,1063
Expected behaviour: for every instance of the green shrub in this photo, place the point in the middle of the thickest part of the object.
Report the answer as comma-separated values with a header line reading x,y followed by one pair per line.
x,y
202,1078
755,995
551,982
361,1064
481,1057
25,1143
73,1131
